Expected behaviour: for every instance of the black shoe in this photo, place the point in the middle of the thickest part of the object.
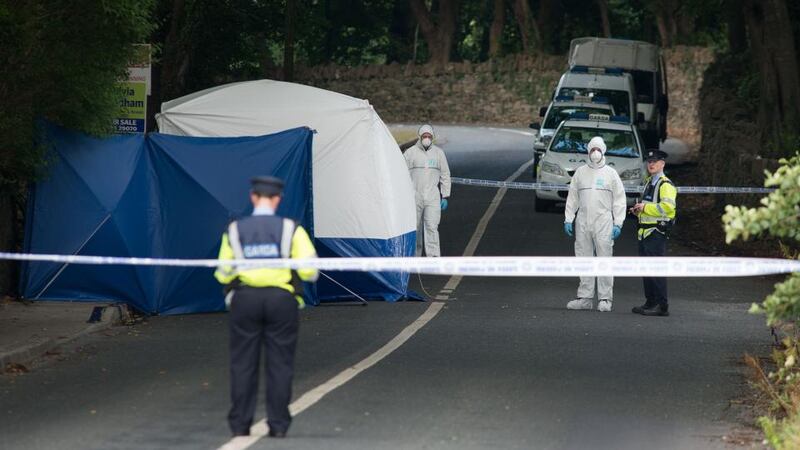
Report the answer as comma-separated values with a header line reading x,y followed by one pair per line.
x,y
656,310
639,309
277,434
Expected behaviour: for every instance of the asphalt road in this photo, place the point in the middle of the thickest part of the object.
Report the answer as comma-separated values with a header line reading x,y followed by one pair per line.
x,y
503,365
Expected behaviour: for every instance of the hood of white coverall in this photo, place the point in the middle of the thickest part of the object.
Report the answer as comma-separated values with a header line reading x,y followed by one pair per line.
x,y
422,130
596,142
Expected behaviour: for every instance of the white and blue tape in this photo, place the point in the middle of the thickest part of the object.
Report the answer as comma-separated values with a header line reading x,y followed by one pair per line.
x,y
487,266
631,189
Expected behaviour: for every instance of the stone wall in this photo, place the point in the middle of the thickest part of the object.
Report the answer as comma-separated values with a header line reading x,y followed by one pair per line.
x,y
507,91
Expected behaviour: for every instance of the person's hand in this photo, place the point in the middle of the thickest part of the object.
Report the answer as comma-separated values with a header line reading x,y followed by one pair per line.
x,y
637,208
568,229
616,232
443,204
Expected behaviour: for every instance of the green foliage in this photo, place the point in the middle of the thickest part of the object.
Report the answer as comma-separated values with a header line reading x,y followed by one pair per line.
x,y
61,61
777,216
781,433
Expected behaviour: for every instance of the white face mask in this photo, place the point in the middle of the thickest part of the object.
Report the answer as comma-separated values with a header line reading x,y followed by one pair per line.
x,y
426,142
595,157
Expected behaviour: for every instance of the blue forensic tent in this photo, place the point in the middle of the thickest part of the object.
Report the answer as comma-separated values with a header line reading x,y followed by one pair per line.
x,y
363,196
152,196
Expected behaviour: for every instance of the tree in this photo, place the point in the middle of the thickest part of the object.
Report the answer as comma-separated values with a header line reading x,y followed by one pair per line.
x,y
438,33
528,27
772,45
496,30
288,47
602,5
61,61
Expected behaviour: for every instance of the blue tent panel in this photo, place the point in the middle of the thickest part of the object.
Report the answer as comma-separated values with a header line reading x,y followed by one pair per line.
x,y
154,196
390,286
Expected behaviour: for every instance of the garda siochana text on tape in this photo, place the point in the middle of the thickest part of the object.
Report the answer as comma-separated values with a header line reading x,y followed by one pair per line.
x,y
630,189
486,266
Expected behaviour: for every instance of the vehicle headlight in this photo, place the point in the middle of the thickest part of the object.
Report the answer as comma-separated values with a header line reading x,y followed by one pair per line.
x,y
631,175
554,169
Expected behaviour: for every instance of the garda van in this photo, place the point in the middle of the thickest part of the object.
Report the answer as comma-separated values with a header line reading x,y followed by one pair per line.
x,y
645,64
613,84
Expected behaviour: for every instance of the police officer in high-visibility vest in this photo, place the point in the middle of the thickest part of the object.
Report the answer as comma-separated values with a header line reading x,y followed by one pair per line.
x,y
263,306
656,214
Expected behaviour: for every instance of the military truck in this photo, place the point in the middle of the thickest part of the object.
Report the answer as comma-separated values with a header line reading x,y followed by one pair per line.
x,y
645,63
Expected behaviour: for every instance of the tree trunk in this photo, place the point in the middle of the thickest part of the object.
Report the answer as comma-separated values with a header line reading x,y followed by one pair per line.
x,y
773,47
737,33
438,36
529,29
663,31
603,6
288,45
496,30
550,23
265,62
175,56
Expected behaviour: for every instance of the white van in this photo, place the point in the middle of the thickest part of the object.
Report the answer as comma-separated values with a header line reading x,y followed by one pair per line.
x,y
613,84
645,63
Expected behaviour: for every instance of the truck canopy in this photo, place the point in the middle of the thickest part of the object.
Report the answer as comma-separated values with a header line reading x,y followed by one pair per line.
x,y
622,53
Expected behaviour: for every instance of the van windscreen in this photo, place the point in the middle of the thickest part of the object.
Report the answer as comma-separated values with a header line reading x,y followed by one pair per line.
x,y
618,99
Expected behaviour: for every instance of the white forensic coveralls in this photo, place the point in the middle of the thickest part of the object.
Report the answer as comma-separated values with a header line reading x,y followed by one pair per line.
x,y
430,176
597,197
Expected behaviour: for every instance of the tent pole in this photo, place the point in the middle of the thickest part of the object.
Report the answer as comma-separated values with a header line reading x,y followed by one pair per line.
x,y
361,299
65,265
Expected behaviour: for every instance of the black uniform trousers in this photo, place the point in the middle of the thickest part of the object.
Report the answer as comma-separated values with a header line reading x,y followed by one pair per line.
x,y
655,288
262,318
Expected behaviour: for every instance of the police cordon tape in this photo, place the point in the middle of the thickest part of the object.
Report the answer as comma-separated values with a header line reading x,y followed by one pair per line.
x,y
487,266
632,189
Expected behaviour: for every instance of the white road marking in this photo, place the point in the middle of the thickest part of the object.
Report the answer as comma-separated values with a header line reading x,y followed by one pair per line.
x,y
453,282
260,429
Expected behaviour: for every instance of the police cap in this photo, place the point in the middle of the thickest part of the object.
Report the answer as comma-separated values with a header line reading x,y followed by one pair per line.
x,y
655,155
266,186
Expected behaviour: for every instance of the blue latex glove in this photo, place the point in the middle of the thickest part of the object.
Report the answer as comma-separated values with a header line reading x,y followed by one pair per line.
x,y
568,229
616,232
443,204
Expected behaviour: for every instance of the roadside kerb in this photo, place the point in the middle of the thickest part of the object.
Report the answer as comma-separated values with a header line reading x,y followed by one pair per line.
x,y
111,315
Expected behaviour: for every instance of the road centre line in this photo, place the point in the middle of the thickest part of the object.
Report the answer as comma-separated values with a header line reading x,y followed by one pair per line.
x,y
477,235
260,429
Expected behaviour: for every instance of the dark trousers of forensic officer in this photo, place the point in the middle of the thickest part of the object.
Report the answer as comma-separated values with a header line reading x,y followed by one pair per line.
x,y
262,318
655,288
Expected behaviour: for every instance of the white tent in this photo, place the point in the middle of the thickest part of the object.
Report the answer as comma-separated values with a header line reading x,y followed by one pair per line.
x,y
363,197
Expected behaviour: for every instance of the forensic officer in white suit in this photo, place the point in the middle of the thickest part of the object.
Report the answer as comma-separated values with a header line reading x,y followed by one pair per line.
x,y
430,176
594,214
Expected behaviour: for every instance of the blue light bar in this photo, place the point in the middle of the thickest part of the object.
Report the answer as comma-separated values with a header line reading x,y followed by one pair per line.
x,y
621,119
597,70
579,116
582,98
